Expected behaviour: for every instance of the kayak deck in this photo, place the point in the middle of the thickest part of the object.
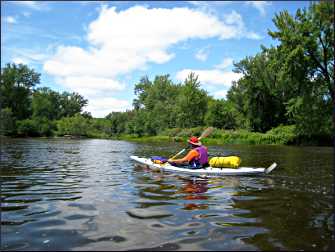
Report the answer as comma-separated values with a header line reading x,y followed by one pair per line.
x,y
212,171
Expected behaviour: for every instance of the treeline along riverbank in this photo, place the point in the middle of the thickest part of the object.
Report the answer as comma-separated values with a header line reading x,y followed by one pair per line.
x,y
286,96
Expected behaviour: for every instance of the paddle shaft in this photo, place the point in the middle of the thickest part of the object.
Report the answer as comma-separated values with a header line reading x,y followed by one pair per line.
x,y
205,133
180,152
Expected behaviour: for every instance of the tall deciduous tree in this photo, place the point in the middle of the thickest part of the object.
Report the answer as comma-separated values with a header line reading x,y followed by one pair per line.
x,y
17,82
191,103
46,103
141,90
7,125
118,121
307,41
258,95
155,104
71,104
221,114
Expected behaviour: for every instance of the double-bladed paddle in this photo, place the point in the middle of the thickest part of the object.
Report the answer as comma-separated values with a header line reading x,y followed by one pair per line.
x,y
204,134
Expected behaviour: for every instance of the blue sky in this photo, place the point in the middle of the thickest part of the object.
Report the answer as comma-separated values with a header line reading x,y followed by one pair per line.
x,y
101,49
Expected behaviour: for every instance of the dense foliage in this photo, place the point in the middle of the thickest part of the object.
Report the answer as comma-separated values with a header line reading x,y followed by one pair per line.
x,y
26,111
307,65
286,95
16,86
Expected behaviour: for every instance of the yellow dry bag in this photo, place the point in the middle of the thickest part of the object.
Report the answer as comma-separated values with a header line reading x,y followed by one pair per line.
x,y
230,161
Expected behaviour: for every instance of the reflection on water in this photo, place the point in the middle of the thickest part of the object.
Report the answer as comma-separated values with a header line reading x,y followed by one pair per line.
x,y
87,195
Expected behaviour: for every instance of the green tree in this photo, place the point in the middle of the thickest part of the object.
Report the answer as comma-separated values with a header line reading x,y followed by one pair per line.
x,y
235,96
36,126
27,127
191,103
71,104
100,127
46,103
118,121
17,82
87,115
155,104
160,104
220,114
137,123
7,125
141,90
307,44
76,125
53,105
258,95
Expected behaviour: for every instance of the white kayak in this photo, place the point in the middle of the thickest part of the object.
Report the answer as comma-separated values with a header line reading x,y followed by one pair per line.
x,y
208,171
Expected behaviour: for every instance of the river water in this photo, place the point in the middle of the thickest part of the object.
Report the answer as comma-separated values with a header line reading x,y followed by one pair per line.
x,y
61,194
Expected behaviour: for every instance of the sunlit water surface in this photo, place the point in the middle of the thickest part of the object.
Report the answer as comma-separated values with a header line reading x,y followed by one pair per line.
x,y
61,194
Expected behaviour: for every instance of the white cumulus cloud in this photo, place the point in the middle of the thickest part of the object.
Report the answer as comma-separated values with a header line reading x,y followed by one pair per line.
x,y
260,6
10,20
28,56
235,19
92,86
26,14
121,42
226,62
34,5
216,80
103,106
202,54
214,77
220,94
18,60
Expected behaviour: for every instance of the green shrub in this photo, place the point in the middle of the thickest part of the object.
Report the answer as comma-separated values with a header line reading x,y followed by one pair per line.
x,y
7,125
45,127
284,134
188,132
27,127
170,132
76,126
185,133
216,133
36,126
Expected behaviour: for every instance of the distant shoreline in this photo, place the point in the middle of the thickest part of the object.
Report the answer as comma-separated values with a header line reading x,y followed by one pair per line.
x,y
251,138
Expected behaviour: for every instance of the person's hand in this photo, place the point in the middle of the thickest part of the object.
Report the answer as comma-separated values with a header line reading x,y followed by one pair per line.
x,y
170,160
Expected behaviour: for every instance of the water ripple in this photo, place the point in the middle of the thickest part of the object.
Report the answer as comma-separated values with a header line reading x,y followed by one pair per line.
x,y
66,194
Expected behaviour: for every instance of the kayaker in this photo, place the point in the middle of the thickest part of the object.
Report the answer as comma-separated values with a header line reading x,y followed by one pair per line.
x,y
197,157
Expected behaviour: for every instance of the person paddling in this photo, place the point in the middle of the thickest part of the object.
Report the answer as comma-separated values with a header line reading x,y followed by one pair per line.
x,y
197,157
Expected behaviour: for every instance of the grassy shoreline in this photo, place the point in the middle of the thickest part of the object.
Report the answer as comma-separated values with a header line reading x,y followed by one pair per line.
x,y
208,141
283,135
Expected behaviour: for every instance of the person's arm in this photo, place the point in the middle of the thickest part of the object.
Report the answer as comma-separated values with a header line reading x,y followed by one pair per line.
x,y
192,154
178,161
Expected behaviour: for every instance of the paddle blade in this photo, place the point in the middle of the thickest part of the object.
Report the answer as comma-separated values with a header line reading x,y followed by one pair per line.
x,y
270,168
207,132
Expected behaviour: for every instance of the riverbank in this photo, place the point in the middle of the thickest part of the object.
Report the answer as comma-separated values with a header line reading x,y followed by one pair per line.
x,y
282,135
234,138
279,136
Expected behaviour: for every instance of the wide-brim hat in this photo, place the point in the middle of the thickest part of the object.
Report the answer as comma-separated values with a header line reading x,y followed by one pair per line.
x,y
194,141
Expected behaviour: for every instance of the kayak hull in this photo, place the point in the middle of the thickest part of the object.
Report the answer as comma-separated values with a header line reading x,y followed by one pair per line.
x,y
208,171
